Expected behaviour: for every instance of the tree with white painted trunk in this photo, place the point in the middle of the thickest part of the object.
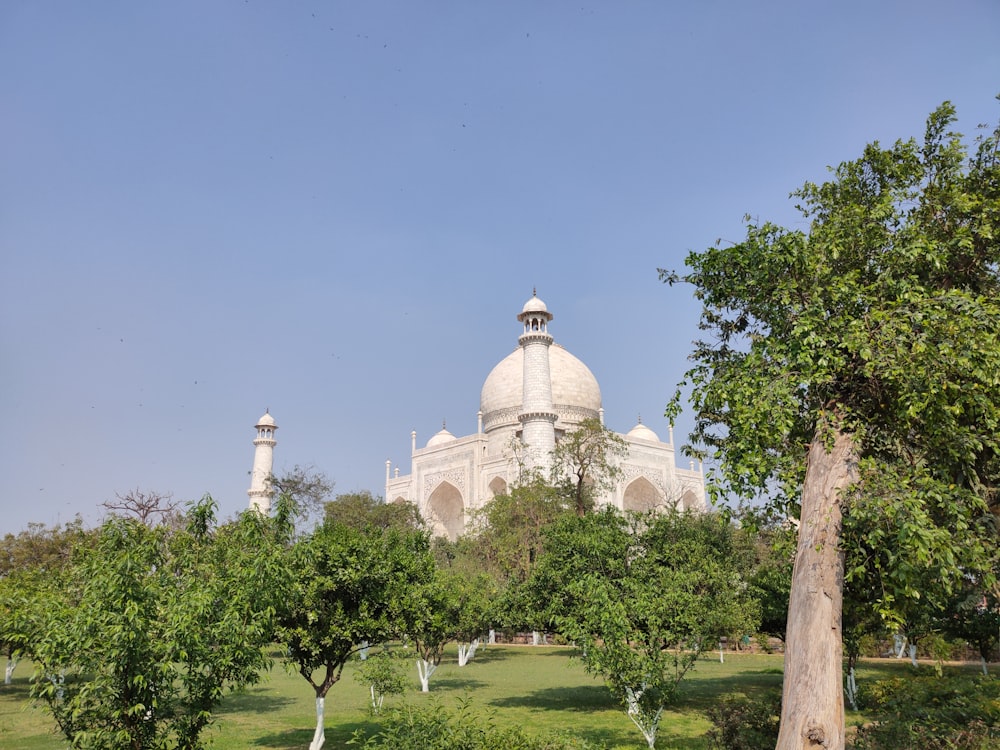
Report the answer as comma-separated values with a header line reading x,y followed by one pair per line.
x,y
352,590
851,373
437,607
640,596
382,673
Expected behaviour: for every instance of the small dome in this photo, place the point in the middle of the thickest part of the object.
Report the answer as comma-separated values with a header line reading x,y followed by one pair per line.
x,y
439,438
534,305
266,421
642,432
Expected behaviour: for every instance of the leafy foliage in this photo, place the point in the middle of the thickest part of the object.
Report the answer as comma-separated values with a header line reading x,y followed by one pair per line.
x,y
138,640
436,728
640,596
363,510
351,588
743,723
875,334
953,713
585,463
382,672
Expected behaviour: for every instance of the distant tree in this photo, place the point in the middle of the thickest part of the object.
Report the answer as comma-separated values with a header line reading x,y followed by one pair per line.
x,y
508,530
41,547
149,508
29,561
382,672
305,491
137,641
770,577
975,617
585,463
363,510
437,610
856,365
351,590
641,596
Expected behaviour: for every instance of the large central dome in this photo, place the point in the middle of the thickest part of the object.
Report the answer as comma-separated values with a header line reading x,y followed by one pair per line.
x,y
575,393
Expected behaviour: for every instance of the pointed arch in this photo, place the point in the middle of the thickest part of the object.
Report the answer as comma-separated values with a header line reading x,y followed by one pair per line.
x,y
446,511
642,495
689,501
497,486
399,500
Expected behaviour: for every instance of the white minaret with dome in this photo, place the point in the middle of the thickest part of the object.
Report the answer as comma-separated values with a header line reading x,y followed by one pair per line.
x,y
537,417
263,462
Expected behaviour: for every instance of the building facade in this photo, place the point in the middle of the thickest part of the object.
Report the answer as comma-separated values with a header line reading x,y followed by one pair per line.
x,y
533,397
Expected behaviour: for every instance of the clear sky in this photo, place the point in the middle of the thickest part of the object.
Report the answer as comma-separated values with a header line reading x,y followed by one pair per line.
x,y
335,210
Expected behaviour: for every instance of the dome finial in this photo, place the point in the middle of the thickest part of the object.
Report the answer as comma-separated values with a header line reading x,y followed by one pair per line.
x,y
534,291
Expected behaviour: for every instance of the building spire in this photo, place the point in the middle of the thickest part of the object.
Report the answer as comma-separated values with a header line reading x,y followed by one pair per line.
x,y
263,462
538,416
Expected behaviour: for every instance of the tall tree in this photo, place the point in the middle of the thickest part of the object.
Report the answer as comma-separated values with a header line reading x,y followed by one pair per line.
x,y
585,463
351,589
857,364
137,641
300,496
149,508
363,510
641,596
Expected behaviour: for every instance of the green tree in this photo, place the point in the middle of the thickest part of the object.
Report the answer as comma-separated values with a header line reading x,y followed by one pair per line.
x,y
364,510
351,589
857,364
382,672
770,579
137,641
585,463
41,547
975,617
29,559
450,606
300,496
641,596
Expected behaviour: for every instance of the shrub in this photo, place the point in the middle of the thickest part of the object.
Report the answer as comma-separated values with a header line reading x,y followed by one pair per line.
x,y
742,723
932,713
437,728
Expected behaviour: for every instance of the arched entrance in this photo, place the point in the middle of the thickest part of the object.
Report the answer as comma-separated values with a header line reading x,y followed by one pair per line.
x,y
446,511
641,495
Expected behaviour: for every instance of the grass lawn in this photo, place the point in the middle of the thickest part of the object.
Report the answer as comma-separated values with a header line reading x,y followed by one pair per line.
x,y
542,689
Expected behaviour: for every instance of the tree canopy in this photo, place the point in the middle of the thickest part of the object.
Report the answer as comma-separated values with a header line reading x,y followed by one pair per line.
x,y
137,640
351,589
854,368
641,595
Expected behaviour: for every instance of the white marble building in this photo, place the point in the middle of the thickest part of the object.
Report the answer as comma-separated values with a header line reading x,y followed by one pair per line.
x,y
530,399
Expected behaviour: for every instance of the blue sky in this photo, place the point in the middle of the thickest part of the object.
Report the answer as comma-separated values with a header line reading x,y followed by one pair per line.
x,y
335,210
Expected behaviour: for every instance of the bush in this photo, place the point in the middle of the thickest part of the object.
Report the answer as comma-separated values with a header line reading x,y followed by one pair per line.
x,y
742,723
437,728
932,713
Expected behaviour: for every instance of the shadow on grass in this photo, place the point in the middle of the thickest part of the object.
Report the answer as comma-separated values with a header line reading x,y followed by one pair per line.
x,y
336,736
258,700
18,689
583,698
457,683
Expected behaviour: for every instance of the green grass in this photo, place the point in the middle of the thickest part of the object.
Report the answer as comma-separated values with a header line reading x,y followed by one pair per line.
x,y
541,689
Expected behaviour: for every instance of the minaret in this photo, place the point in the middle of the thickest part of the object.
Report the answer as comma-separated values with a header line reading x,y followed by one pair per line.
x,y
537,417
263,460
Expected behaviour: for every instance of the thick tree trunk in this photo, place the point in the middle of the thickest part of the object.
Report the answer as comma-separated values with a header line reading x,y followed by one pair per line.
x,y
812,709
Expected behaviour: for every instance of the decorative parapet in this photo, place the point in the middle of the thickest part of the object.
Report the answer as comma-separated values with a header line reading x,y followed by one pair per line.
x,y
457,477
